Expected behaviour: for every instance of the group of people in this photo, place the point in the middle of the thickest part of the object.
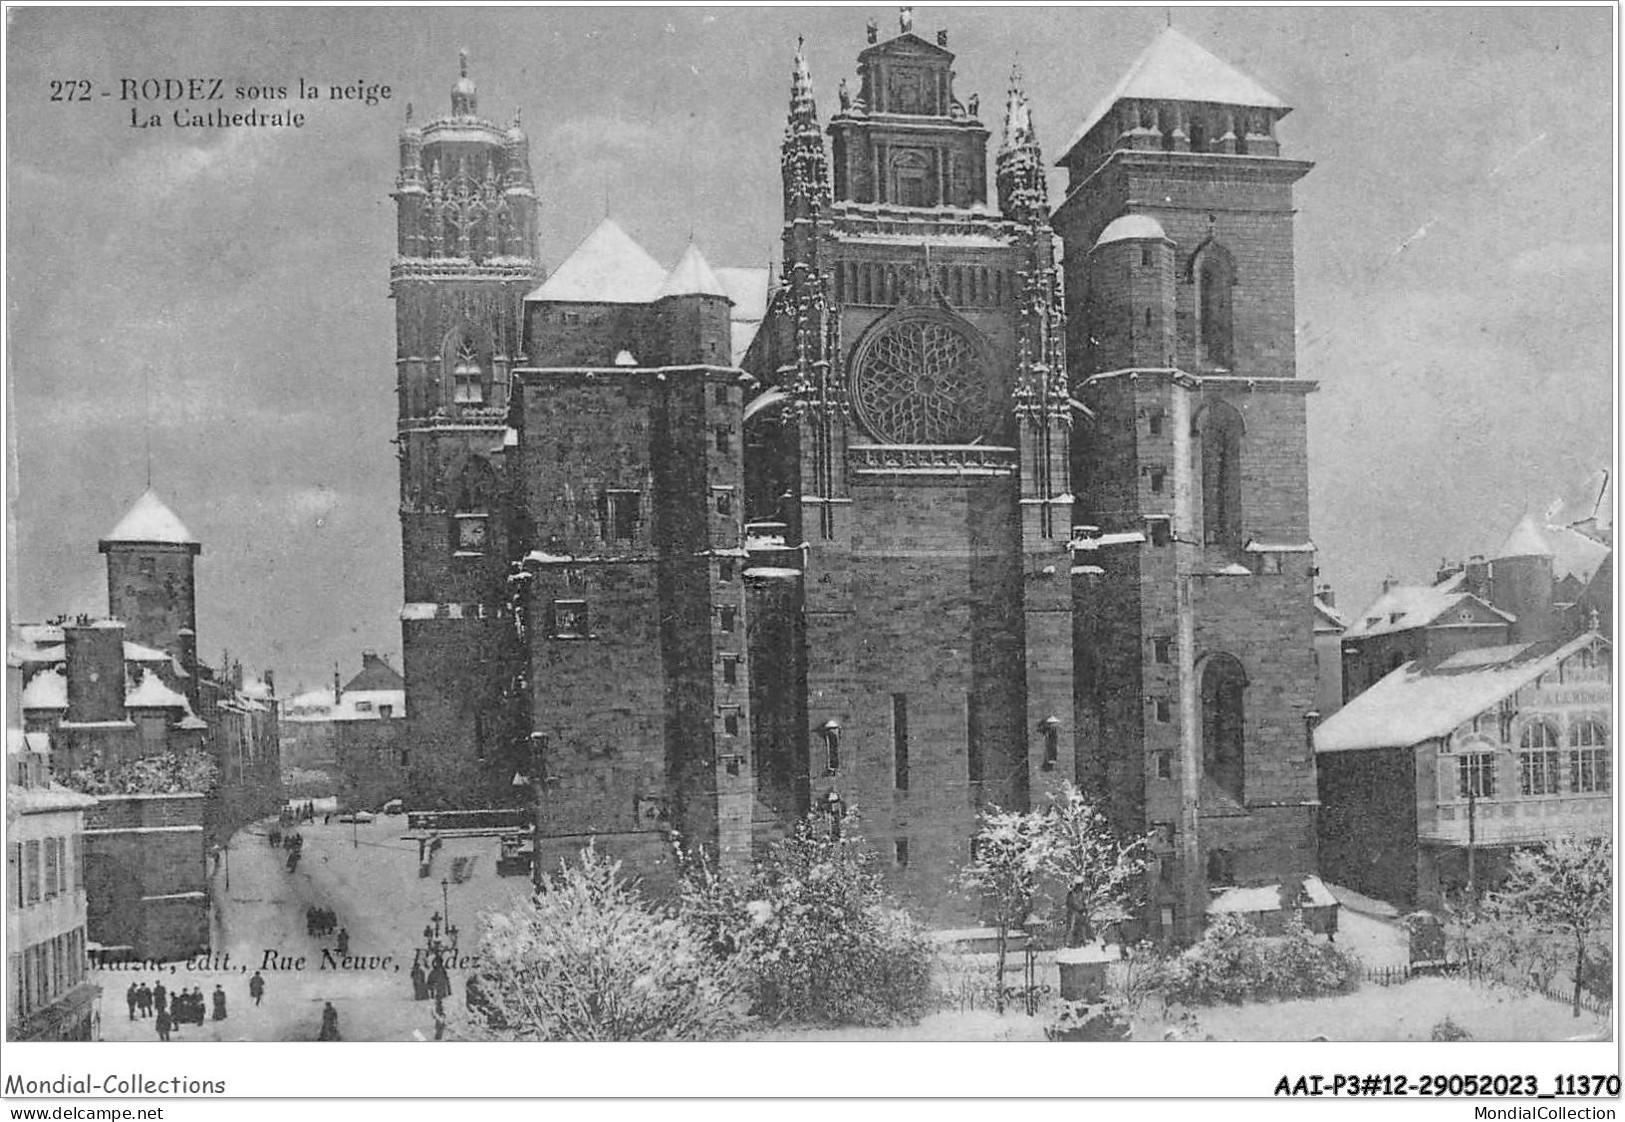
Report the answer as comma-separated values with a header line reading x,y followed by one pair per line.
x,y
292,841
172,1008
321,922
433,984
302,812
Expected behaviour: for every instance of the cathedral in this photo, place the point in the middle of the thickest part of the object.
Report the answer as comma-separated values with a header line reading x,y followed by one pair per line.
x,y
975,497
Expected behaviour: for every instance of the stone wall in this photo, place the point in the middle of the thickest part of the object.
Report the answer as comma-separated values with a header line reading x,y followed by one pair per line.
x,y
145,875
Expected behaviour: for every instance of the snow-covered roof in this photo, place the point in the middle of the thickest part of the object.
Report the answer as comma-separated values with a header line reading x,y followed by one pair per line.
x,y
1174,68
765,400
1267,898
1427,699
149,520
691,276
1131,227
1325,613
46,690
368,705
1573,552
748,289
1526,540
607,268
151,693
135,652
1407,606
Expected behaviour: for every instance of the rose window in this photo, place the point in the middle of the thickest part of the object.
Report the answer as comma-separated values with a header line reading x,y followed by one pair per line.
x,y
924,380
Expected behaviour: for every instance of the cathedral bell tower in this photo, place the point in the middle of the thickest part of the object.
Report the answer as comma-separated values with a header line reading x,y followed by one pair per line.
x,y
1193,584
465,243
912,439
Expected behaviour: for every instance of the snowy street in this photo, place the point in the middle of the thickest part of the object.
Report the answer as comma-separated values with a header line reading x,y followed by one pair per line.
x,y
368,875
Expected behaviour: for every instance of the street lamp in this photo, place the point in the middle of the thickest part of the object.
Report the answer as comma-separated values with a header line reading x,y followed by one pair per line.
x,y
445,900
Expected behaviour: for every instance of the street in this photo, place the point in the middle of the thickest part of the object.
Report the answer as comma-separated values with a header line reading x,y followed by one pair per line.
x,y
368,875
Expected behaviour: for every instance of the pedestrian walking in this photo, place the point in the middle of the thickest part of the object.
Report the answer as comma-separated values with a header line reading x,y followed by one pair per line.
x,y
132,998
143,1000
343,942
219,1003
439,1019
420,984
160,997
330,1022
439,980
164,1024
256,987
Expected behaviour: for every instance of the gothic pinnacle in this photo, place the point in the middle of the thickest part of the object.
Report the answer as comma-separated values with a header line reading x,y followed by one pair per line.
x,y
801,88
1018,121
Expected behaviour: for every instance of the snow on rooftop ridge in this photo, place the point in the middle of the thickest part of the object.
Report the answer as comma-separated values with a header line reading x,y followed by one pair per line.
x,y
1418,702
149,520
1526,540
1175,68
691,276
46,690
608,267
1131,227
151,693
1405,606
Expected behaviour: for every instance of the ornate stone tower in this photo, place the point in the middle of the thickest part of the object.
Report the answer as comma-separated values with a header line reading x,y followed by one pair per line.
x,y
914,435
1194,587
466,228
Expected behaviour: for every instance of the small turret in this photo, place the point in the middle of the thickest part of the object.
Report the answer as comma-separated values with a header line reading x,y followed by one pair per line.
x,y
465,99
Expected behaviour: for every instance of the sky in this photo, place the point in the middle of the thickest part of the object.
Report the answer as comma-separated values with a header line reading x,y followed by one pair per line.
x,y
1454,259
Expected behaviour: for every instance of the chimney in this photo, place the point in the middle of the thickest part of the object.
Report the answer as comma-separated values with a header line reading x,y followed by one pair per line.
x,y
1389,584
1447,569
270,682
1326,596
1478,577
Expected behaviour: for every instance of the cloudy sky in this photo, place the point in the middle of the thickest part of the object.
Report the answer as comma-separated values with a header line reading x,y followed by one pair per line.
x,y
1454,260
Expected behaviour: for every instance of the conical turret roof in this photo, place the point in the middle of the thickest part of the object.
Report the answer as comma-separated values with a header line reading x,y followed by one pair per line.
x,y
1175,68
1526,540
691,276
607,268
149,520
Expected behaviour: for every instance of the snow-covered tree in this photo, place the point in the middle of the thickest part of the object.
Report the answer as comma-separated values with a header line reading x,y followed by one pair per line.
x,y
1564,888
1097,874
589,960
1008,861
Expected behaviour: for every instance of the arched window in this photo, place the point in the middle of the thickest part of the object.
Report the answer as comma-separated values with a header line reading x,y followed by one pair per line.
x,y
1588,758
1538,762
1224,720
1214,272
467,376
1221,430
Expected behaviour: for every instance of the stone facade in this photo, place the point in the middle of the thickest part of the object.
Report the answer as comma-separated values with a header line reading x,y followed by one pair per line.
x,y
1194,588
930,539
1404,803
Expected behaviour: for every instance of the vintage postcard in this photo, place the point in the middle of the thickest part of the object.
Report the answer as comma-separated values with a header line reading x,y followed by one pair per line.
x,y
804,525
